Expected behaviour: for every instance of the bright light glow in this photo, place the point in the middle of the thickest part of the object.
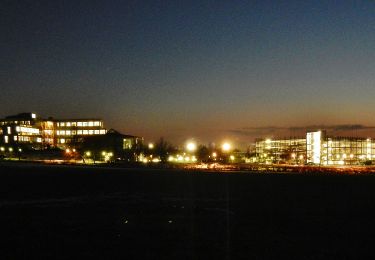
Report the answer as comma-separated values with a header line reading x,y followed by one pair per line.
x,y
301,157
351,156
145,160
74,150
28,130
293,155
67,150
191,146
6,139
226,147
110,154
231,157
88,153
104,153
150,146
19,149
33,115
194,159
313,141
187,158
2,149
268,141
171,158
214,154
155,160
10,149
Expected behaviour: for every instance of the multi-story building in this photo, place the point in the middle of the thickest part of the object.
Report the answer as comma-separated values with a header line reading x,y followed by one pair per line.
x,y
329,150
281,151
70,132
317,149
22,129
27,129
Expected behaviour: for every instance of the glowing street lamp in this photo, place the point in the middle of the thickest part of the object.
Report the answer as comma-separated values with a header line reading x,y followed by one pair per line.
x,y
2,149
151,146
226,147
191,147
88,153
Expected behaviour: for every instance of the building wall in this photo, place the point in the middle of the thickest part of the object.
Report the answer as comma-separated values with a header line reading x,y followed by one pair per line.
x,y
28,129
69,133
290,151
316,149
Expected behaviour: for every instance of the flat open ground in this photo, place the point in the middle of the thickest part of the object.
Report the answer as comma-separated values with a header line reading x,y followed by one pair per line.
x,y
67,212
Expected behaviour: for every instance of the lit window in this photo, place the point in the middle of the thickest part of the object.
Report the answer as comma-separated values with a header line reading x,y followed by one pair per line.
x,y
85,123
58,124
97,123
74,132
85,132
68,132
91,123
39,140
79,132
102,132
33,116
97,132
91,132
68,124
62,141
15,138
9,130
6,139
62,124
79,124
74,124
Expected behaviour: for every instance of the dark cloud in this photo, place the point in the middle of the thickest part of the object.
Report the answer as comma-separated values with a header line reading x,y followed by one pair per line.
x,y
296,131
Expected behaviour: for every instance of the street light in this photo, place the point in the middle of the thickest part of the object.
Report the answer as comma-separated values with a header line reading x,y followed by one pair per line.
x,y
150,146
191,147
226,147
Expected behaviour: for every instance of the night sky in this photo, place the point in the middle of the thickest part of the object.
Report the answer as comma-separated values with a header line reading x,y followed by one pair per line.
x,y
208,70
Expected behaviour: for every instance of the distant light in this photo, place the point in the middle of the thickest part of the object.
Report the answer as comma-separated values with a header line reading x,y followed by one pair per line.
x,y
232,157
191,146
74,150
150,146
104,153
226,147
67,150
88,153
171,158
155,160
268,141
301,157
19,149
33,115
10,149
2,149
293,155
214,154
110,154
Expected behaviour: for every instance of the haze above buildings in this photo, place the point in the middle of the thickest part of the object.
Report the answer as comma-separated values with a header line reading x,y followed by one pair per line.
x,y
207,70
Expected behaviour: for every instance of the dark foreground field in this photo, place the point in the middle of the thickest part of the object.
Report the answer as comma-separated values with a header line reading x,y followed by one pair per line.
x,y
61,212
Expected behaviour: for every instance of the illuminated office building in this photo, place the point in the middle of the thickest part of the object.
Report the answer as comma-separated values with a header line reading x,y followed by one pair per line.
x,y
317,148
71,132
27,129
338,150
281,151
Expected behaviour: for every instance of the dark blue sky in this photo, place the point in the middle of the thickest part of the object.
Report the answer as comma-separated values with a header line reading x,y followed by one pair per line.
x,y
207,70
